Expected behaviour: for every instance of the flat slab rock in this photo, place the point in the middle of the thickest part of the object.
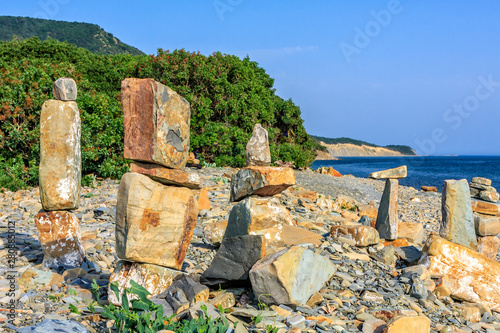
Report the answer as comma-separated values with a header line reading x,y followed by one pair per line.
x,y
167,176
396,173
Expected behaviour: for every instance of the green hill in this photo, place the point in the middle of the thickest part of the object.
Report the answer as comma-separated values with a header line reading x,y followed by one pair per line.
x,y
405,150
86,35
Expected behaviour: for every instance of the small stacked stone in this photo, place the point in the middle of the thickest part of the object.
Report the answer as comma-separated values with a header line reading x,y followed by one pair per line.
x,y
481,188
156,209
60,176
387,217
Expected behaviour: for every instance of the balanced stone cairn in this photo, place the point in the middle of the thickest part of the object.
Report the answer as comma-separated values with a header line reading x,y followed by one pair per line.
x,y
481,188
60,176
156,210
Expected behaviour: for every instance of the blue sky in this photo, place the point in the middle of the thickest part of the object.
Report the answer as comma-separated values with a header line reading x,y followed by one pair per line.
x,y
420,73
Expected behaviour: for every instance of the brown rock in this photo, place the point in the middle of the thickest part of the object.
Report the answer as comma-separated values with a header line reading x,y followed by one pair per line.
x,y
373,325
473,277
257,150
33,278
156,121
306,194
60,239
214,231
261,181
203,201
363,235
488,246
60,155
315,299
486,225
167,176
470,313
225,300
409,324
388,315
429,189
368,210
387,217
412,231
65,89
293,235
481,181
485,208
443,287
156,279
154,222
400,242
396,173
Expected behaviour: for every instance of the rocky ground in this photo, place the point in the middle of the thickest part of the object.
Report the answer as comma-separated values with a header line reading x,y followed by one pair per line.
x,y
366,288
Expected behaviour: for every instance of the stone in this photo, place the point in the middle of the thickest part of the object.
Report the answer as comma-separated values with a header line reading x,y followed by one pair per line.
x,y
261,181
400,242
362,235
409,324
387,255
290,276
156,279
60,155
225,300
429,189
443,287
198,311
203,200
472,276
214,232
486,225
154,222
489,196
259,216
189,286
457,224
234,259
470,313
257,150
294,235
485,208
396,173
315,299
474,192
481,181
65,89
156,121
387,218
373,325
33,278
55,325
60,239
488,246
412,231
329,171
167,176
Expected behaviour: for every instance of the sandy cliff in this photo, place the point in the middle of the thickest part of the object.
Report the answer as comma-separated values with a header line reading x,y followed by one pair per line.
x,y
347,149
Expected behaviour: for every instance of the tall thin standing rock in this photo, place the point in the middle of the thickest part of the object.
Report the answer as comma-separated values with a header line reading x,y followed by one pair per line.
x,y
60,155
387,217
257,150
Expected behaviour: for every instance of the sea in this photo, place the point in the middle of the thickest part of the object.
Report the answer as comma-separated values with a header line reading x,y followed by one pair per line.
x,y
422,170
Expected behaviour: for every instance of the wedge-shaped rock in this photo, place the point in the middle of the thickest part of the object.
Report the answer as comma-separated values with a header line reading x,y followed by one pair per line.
x,y
412,231
60,238
167,176
257,150
65,89
485,208
409,324
290,276
486,225
473,277
361,234
156,122
259,216
154,222
262,181
396,173
234,259
156,279
457,224
60,155
488,246
387,217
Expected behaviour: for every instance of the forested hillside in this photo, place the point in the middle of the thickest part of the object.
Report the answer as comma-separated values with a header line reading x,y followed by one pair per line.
x,y
228,96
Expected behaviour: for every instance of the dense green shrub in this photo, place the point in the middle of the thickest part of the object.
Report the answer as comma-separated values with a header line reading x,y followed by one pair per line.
x,y
228,97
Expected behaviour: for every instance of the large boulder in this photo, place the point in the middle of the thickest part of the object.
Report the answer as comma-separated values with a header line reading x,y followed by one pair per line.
x,y
472,276
290,276
408,324
396,173
457,224
167,176
387,217
257,150
156,122
412,231
60,239
488,246
65,89
60,155
261,181
486,225
154,222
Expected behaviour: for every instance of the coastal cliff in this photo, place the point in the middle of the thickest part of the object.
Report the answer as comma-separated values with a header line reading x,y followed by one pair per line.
x,y
349,149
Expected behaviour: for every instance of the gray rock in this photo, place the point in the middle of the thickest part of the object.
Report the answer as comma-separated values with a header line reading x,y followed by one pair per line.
x,y
481,180
55,325
65,89
417,289
387,218
257,150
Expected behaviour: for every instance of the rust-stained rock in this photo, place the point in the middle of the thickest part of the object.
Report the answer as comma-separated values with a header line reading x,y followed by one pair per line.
x,y
409,324
396,173
257,150
167,176
203,200
156,279
412,231
60,239
486,225
363,235
470,313
473,277
387,217
65,89
368,210
156,122
154,222
329,171
457,224
488,246
261,181
60,155
485,208
429,189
